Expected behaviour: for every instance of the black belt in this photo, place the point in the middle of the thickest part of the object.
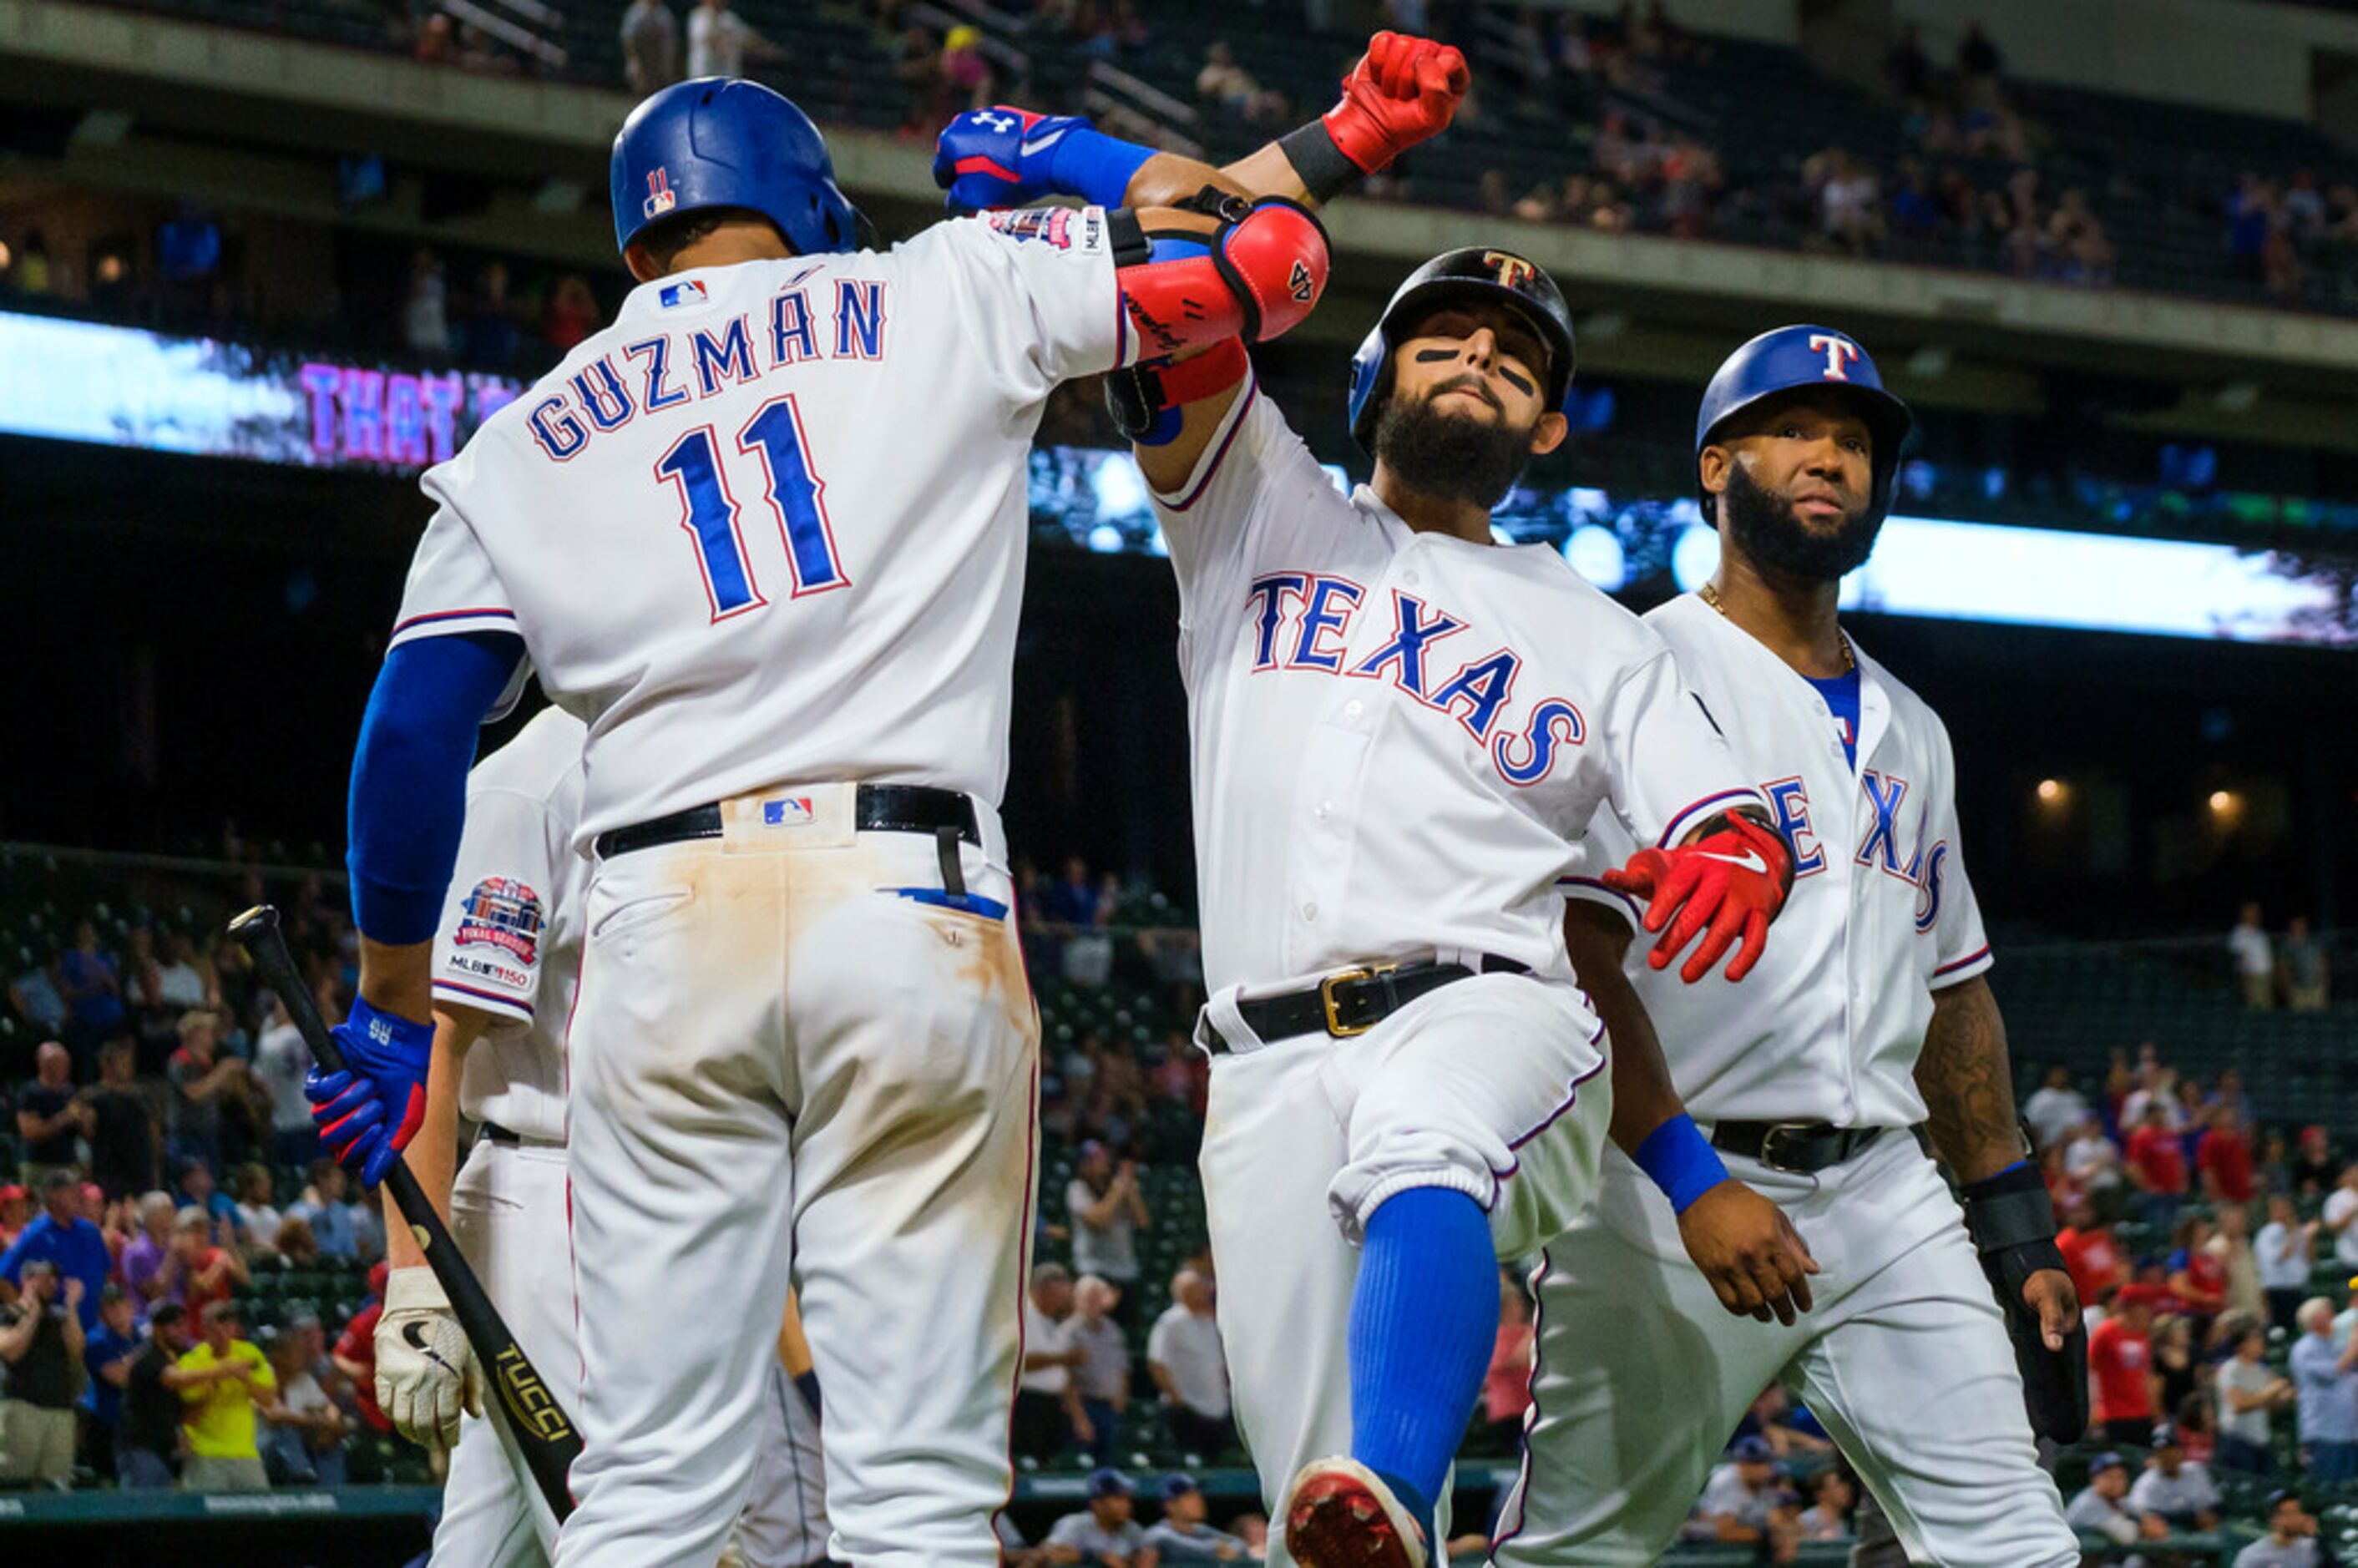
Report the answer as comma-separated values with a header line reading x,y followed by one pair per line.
x,y
1802,1146
506,1138
880,809
1353,1002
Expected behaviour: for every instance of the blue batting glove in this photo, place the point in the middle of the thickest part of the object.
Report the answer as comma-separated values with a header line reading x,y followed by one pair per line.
x,y
368,1113
1003,156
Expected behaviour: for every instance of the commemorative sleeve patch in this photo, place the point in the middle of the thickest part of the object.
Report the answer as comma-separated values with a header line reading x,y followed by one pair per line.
x,y
502,914
1051,225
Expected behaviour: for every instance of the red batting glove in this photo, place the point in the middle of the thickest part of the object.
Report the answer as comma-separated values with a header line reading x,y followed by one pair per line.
x,y
1403,91
1728,885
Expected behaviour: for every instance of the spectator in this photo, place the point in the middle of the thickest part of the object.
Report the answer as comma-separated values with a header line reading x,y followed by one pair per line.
x,y
154,1267
2101,1506
438,41
2056,1109
323,1209
33,994
1048,1403
1182,1537
2093,1160
2174,1487
198,1191
2314,1168
1106,1534
2158,1166
964,71
2291,1539
1833,1498
2255,962
572,313
1907,67
2223,1155
2177,1370
210,1269
201,1082
1791,1434
355,1357
280,1061
719,41
90,982
2096,1265
148,1441
2307,977
2340,1216
221,1382
59,1233
257,1218
2282,1256
297,1245
2196,1276
650,47
1102,1374
2249,1392
49,1116
490,329
1507,1387
2232,1247
2120,1359
1977,56
1737,1500
41,1344
123,1142
1107,1211
107,1354
1190,1369
425,314
2230,1096
302,1440
16,1213
2326,1388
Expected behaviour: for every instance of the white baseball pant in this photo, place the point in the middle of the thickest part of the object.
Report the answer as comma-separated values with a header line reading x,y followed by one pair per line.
x,y
776,1059
1493,1087
507,1213
1642,1376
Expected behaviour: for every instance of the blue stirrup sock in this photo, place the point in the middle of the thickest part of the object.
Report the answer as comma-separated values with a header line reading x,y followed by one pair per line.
x,y
1423,1320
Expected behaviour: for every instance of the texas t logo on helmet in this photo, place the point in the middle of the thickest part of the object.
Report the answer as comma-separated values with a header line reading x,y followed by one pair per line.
x,y
1839,352
1513,270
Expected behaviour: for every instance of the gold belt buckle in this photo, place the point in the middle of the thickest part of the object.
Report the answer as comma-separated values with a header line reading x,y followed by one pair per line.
x,y
1334,1024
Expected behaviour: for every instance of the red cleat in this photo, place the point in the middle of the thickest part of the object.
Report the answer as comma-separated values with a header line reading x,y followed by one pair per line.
x,y
1341,1516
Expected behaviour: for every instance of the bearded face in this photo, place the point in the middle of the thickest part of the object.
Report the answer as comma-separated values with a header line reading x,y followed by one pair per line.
x,y
1465,413
1795,487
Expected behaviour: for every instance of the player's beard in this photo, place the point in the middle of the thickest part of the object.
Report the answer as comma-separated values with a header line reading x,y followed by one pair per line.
x,y
1763,526
1450,455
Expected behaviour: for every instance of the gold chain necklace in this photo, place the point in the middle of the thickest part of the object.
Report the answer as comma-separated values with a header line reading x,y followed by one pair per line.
x,y
1710,594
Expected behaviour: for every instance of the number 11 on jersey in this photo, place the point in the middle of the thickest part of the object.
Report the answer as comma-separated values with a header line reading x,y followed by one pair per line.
x,y
709,510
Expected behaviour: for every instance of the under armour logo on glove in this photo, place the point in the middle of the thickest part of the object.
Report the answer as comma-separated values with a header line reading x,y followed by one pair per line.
x,y
367,1113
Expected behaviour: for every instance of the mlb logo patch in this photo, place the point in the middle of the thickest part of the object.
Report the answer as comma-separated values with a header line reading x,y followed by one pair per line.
x,y
660,196
504,913
676,294
792,812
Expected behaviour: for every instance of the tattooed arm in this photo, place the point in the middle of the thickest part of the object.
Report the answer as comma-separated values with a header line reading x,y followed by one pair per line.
x,y
1968,1083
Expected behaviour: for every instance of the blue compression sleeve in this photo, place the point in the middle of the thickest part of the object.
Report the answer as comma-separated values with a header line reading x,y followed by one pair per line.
x,y
1424,1317
1096,168
408,803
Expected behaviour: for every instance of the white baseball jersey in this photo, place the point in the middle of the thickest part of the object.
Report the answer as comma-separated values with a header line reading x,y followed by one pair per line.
x,y
1831,1020
510,944
769,526
1399,736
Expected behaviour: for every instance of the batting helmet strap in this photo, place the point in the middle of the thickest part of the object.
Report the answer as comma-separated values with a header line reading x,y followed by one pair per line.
x,y
1804,358
1475,273
719,141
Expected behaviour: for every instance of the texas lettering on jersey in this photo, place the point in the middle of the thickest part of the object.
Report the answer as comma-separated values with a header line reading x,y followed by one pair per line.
x,y
1301,621
1888,797
696,362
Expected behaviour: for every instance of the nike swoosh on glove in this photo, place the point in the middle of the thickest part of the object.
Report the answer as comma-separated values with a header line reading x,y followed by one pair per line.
x,y
426,1371
367,1113
1001,156
1727,885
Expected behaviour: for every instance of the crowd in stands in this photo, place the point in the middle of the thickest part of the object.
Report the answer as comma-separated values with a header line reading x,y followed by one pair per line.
x,y
2292,970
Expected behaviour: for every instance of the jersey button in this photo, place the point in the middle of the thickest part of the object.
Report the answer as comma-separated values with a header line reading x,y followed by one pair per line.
x,y
1325,809
1309,912
1410,578
1354,708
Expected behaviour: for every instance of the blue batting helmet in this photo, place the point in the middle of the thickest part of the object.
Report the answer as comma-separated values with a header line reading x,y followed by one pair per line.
x,y
1473,272
719,141
1791,359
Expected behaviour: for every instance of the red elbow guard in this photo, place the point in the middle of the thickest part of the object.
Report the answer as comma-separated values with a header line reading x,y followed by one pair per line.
x,y
1257,275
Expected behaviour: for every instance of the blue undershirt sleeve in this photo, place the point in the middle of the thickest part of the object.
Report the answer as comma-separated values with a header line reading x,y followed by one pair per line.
x,y
408,803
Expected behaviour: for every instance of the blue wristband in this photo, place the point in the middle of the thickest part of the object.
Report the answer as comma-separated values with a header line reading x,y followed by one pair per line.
x,y
1095,166
1685,1167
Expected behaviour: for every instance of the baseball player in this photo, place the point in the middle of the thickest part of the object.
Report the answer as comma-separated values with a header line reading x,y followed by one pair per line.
x,y
1869,1016
764,535
507,959
1399,731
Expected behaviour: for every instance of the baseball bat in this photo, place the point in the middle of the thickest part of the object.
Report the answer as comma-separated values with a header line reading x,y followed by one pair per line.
x,y
543,1432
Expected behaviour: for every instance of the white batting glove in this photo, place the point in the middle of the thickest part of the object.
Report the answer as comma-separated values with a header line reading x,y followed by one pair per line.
x,y
426,1371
